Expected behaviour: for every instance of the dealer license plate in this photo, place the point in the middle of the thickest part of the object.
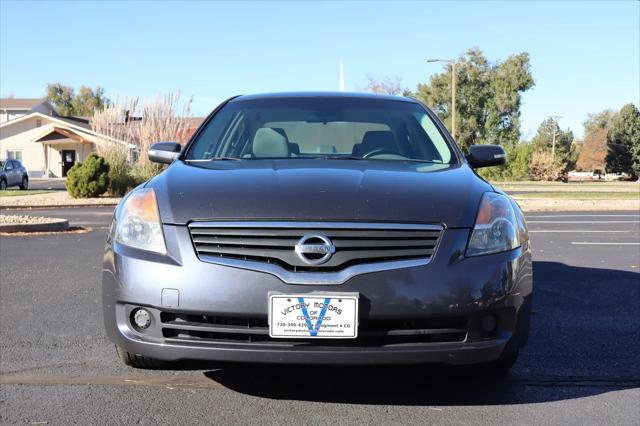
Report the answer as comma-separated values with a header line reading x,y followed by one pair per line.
x,y
311,315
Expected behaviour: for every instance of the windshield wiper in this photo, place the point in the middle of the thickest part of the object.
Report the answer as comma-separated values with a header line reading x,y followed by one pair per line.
x,y
340,157
208,160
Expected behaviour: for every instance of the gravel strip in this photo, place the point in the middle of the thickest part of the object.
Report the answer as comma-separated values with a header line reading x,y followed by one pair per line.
x,y
14,219
24,223
53,199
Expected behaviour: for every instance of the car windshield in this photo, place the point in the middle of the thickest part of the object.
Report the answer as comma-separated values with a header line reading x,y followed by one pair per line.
x,y
330,128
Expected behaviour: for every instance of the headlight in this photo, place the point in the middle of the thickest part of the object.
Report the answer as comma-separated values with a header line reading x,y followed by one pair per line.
x,y
496,227
137,223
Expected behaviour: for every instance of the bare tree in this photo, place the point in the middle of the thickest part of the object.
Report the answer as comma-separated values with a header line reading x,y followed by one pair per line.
x,y
386,86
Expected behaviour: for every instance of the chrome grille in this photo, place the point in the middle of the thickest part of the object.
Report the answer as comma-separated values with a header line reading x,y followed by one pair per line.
x,y
275,242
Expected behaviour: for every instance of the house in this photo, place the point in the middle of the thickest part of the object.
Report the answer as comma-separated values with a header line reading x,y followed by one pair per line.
x,y
48,145
11,108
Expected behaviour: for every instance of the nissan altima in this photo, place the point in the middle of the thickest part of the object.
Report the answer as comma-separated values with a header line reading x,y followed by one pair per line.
x,y
319,228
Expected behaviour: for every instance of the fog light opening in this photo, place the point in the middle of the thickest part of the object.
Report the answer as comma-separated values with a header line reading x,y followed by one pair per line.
x,y
141,318
488,323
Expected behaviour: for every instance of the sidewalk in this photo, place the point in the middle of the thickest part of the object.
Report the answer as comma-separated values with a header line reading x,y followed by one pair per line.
x,y
50,183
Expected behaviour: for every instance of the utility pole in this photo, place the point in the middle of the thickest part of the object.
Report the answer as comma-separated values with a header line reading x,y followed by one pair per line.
x,y
453,64
553,140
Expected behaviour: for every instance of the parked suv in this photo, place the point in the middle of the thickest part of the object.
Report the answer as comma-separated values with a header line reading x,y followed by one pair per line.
x,y
13,173
319,229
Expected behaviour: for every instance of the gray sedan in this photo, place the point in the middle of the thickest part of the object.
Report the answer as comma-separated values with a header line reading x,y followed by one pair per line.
x,y
319,228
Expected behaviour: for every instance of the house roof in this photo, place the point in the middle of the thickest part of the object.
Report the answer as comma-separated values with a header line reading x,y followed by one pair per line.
x,y
78,121
70,123
56,133
20,103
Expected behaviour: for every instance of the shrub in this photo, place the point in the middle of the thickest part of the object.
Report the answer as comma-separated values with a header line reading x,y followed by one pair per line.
x,y
88,179
145,171
121,178
517,167
544,167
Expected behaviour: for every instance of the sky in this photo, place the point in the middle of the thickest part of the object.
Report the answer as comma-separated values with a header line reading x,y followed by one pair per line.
x,y
585,56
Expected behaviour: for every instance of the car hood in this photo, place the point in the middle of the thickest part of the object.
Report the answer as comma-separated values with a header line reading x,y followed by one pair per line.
x,y
317,190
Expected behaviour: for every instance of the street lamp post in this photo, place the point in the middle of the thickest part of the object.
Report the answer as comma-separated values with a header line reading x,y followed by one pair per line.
x,y
453,63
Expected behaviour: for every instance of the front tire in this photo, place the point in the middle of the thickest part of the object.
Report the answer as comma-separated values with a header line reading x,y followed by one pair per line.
x,y
139,361
25,183
3,184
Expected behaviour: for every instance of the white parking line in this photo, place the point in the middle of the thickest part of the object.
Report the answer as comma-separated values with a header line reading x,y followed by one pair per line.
x,y
583,221
583,215
570,231
586,243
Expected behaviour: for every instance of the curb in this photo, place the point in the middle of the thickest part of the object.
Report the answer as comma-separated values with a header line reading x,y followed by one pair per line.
x,y
57,226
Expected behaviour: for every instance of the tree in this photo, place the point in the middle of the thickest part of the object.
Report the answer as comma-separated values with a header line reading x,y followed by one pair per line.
x,y
67,103
565,150
488,97
88,100
61,97
599,120
623,141
593,152
387,86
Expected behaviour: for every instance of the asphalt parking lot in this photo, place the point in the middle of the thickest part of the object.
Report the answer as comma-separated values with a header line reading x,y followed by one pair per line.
x,y
582,364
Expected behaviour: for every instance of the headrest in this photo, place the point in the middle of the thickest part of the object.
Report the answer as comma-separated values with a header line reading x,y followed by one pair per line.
x,y
294,148
269,143
375,140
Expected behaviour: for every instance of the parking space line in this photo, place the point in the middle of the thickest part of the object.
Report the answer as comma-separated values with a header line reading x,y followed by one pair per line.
x,y
583,221
582,215
588,243
578,231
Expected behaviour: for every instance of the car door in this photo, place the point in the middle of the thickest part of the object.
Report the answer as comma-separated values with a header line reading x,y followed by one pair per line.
x,y
20,171
9,170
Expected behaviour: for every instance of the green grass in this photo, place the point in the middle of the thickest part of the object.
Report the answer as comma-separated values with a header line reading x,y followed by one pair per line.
x,y
581,195
15,193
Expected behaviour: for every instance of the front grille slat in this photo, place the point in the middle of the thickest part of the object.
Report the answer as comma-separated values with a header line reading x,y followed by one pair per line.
x,y
246,241
299,232
206,329
217,328
274,243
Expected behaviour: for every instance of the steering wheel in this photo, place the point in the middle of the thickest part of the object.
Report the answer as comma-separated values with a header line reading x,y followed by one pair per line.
x,y
382,151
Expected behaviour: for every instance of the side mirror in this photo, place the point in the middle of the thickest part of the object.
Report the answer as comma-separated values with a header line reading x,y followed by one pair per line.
x,y
486,156
164,152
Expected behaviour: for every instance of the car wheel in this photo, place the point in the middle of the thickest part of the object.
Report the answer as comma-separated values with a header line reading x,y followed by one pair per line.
x,y
3,185
139,361
25,183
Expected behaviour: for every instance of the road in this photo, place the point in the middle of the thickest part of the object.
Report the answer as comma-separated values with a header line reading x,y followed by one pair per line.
x,y
582,364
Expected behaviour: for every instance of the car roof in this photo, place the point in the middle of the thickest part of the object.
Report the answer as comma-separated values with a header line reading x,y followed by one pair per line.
x,y
347,95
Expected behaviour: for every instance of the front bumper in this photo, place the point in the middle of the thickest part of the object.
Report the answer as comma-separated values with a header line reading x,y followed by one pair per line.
x,y
449,287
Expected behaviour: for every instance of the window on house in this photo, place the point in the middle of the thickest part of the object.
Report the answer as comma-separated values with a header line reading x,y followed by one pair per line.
x,y
38,123
14,155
